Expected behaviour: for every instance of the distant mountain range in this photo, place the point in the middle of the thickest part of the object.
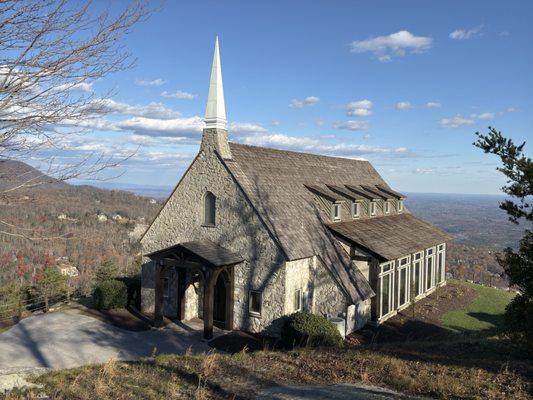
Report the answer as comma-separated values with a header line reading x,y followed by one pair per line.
x,y
474,220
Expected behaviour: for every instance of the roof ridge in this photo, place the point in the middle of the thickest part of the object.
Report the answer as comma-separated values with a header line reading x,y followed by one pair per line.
x,y
297,152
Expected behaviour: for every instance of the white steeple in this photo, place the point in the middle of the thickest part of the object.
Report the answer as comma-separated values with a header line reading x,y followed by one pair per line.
x,y
215,113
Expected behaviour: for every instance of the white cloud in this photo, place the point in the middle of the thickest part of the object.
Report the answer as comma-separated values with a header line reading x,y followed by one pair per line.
x,y
351,125
308,101
150,82
76,87
178,94
190,127
432,104
403,105
240,128
423,171
512,109
283,141
485,115
464,34
455,122
396,44
361,108
152,110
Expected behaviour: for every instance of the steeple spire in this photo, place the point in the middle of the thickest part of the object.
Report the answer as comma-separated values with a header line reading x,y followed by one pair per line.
x,y
215,113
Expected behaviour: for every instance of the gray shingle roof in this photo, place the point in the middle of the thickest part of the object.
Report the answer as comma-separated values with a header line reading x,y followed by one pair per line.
x,y
274,181
391,237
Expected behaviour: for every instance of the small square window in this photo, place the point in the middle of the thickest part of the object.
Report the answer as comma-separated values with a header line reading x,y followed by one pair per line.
x,y
400,205
256,301
373,208
355,209
297,300
336,211
387,207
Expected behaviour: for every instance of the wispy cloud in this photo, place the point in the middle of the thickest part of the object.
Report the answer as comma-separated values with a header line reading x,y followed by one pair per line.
x,y
361,108
403,105
394,45
485,115
150,82
151,110
464,34
178,94
351,125
308,101
457,121
423,171
432,104
312,145
76,87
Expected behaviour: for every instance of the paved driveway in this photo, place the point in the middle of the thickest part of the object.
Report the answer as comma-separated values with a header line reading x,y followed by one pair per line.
x,y
58,340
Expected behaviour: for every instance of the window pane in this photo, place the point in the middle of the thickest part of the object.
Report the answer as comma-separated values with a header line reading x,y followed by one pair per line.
x,y
385,293
255,302
297,300
417,278
209,208
403,286
429,273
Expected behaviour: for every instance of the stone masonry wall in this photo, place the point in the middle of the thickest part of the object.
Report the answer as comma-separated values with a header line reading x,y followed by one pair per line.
x,y
238,228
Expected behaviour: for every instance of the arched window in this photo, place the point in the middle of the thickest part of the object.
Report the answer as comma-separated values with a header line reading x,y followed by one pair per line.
x,y
210,201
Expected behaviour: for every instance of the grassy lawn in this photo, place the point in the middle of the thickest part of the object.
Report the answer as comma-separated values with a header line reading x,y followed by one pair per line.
x,y
483,315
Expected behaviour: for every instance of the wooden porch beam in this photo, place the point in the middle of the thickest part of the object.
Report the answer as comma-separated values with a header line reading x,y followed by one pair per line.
x,y
158,297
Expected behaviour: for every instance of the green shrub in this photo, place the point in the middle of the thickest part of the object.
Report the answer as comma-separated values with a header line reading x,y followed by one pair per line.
x,y
133,283
106,271
519,321
305,329
110,294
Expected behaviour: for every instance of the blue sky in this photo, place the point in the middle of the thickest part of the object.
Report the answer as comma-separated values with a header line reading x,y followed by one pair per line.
x,y
402,84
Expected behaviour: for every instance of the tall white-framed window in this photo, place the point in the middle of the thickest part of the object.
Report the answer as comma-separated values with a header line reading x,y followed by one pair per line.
x,y
336,211
430,268
441,263
356,209
298,300
400,205
404,281
386,289
373,207
387,207
418,273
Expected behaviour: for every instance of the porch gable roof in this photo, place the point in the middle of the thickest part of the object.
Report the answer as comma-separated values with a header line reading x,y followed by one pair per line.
x,y
204,250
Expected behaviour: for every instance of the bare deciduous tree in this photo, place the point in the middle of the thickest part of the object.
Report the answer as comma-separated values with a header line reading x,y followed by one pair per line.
x,y
50,53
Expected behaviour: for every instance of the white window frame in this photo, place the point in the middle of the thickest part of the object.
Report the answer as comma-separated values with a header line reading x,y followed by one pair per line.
x,y
390,300
336,207
407,267
250,311
298,298
418,258
400,205
373,208
387,207
430,255
441,250
356,209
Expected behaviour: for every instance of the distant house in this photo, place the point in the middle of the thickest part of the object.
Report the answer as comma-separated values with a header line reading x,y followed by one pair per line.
x,y
251,234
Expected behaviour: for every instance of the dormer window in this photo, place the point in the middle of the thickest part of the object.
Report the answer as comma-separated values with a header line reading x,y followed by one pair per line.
x,y
355,209
336,212
400,205
387,207
209,210
372,208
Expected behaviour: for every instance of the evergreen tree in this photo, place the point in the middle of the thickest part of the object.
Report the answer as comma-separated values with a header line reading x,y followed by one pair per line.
x,y
517,264
106,271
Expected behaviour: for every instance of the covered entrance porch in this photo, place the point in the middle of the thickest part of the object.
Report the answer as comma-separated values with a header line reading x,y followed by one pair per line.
x,y
202,263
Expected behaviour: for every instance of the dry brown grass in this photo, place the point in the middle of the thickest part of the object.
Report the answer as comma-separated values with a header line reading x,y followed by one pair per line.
x,y
440,370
